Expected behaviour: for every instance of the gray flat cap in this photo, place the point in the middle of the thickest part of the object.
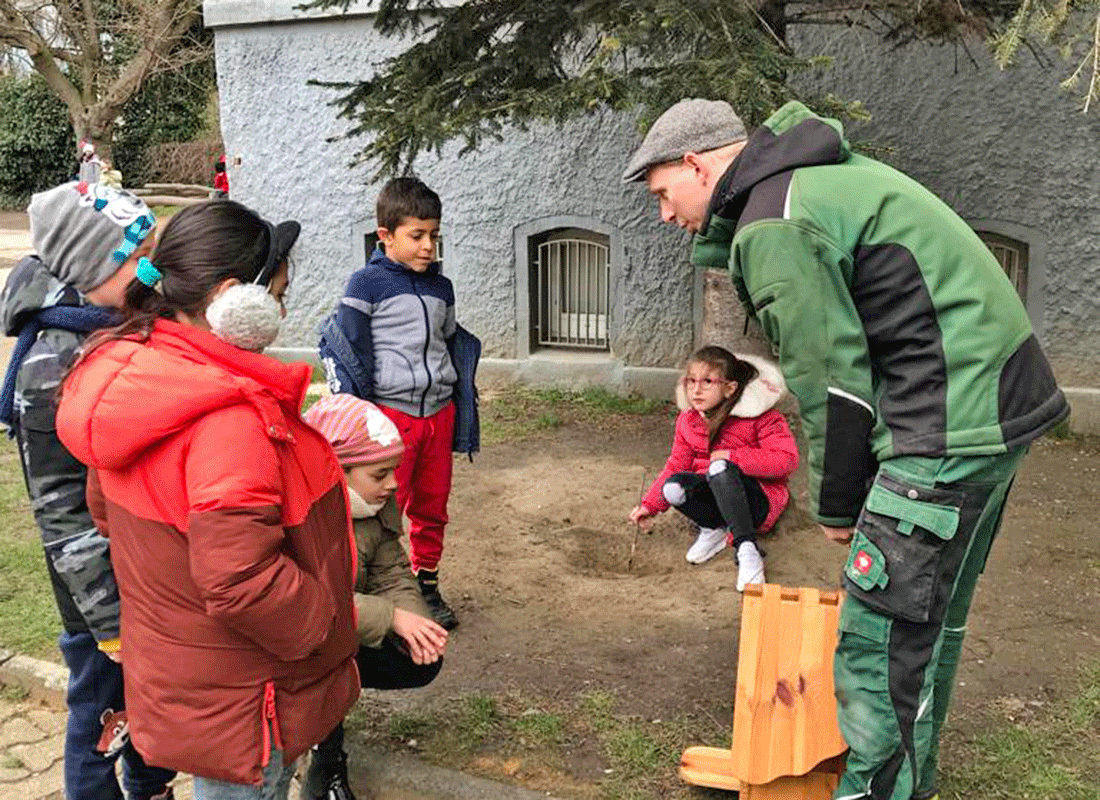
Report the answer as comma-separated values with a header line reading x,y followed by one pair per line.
x,y
690,126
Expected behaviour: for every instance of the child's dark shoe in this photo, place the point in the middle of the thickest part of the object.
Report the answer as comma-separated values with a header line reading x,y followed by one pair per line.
x,y
326,781
441,612
327,775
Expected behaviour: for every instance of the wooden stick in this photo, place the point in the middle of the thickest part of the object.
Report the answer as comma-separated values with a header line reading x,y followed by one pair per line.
x,y
637,529
179,188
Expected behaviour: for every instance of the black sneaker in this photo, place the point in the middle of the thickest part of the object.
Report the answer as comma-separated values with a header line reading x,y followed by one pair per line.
x,y
441,612
326,781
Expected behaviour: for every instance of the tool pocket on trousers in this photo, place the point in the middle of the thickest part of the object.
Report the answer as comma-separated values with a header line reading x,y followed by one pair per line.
x,y
898,546
861,681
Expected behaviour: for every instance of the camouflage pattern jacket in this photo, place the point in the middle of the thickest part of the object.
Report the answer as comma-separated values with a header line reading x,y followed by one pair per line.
x,y
77,555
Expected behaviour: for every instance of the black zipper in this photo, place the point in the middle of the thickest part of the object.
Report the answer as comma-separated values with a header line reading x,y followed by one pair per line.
x,y
764,302
427,342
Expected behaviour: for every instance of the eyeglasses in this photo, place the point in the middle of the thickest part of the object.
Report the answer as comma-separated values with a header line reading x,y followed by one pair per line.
x,y
703,383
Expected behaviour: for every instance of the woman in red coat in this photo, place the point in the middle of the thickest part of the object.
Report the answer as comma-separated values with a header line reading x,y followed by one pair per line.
x,y
227,514
731,458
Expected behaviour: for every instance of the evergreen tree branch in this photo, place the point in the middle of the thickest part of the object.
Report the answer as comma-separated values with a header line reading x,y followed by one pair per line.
x,y
476,68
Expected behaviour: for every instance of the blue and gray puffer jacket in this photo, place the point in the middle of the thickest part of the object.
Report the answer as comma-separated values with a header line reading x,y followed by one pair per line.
x,y
388,340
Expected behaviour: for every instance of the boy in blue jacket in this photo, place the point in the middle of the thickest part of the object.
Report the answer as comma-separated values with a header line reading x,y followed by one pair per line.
x,y
388,343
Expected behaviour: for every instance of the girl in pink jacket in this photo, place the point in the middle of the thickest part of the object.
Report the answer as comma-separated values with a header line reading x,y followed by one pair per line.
x,y
731,458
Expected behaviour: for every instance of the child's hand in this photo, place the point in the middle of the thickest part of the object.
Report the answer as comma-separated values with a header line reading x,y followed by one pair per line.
x,y
720,455
642,516
426,639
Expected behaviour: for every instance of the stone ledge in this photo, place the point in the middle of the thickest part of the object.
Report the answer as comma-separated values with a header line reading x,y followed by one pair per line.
x,y
576,373
223,13
389,775
1084,415
44,680
402,777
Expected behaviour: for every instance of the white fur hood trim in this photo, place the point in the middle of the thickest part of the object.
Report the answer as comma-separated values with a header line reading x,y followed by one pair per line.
x,y
360,508
762,393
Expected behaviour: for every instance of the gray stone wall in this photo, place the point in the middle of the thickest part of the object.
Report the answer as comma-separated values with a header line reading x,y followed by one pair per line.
x,y
279,128
1009,151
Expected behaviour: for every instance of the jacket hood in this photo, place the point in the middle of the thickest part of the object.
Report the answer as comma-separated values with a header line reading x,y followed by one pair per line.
x,y
29,289
792,137
130,395
760,395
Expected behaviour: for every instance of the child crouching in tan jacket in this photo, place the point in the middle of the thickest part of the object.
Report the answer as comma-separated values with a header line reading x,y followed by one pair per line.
x,y
400,647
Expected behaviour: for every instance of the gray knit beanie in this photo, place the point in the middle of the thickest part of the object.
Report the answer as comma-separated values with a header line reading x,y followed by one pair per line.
x,y
690,126
84,231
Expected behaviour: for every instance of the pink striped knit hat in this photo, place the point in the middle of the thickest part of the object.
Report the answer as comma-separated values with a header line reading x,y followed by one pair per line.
x,y
357,429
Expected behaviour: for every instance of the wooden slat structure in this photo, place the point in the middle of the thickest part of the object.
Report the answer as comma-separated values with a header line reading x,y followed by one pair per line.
x,y
786,741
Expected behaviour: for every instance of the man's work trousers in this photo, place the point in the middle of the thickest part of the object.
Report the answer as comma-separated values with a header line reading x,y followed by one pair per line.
x,y
920,543
424,480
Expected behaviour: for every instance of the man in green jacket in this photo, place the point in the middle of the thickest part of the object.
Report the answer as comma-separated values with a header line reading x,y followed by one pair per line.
x,y
920,385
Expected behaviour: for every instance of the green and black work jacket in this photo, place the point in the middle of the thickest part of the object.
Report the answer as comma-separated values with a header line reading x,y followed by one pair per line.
x,y
895,327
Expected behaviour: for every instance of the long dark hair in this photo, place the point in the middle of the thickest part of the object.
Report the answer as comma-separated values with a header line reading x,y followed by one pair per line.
x,y
731,368
201,246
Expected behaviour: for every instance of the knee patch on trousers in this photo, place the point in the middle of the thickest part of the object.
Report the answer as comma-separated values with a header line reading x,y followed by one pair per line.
x,y
674,493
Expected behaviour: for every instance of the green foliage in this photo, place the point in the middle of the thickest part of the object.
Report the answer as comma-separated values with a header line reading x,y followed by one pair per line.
x,y
490,64
478,68
541,727
478,721
1070,26
1042,752
28,614
409,726
36,138
520,412
169,107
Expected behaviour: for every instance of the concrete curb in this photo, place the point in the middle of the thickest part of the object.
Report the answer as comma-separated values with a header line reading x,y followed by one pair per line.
x,y
394,776
390,776
44,680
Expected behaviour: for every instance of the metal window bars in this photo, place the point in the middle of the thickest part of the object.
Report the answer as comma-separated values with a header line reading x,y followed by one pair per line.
x,y
1012,255
573,294
1013,261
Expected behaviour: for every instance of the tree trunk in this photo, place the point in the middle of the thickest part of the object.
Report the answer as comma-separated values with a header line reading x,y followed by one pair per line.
x,y
96,124
723,321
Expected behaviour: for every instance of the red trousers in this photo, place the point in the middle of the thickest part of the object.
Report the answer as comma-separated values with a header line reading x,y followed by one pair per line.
x,y
424,480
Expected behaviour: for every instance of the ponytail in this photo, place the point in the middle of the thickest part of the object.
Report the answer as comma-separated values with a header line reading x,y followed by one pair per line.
x,y
201,246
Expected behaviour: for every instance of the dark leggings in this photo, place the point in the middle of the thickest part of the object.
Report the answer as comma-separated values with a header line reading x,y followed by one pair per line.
x,y
723,498
385,667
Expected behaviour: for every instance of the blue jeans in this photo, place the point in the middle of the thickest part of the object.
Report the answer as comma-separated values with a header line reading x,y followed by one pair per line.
x,y
95,687
275,787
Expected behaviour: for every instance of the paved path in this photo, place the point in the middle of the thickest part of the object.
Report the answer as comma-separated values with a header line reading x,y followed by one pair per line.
x,y
32,740
15,242
15,238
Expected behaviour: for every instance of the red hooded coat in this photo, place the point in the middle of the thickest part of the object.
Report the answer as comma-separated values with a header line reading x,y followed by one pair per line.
x,y
758,438
232,545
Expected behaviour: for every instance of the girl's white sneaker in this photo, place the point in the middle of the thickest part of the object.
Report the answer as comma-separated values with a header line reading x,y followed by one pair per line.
x,y
709,543
750,565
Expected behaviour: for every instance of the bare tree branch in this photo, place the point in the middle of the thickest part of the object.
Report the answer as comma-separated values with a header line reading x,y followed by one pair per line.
x,y
96,54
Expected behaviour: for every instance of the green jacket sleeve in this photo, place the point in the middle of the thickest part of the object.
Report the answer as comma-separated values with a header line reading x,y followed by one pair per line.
x,y
797,281
386,580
